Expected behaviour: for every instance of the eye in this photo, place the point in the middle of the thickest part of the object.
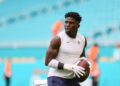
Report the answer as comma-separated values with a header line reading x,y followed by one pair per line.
x,y
66,22
71,22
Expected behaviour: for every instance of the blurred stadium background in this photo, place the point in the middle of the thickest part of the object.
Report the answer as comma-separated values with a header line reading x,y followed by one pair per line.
x,y
26,29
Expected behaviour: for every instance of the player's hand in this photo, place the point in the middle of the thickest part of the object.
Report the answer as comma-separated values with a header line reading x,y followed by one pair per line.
x,y
74,68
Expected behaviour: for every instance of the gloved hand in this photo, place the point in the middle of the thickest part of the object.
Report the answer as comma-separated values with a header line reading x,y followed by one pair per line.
x,y
74,68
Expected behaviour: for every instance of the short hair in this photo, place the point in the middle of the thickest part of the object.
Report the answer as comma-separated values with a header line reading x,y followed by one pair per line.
x,y
74,15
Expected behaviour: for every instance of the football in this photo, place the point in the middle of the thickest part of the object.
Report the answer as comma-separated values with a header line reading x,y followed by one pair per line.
x,y
83,63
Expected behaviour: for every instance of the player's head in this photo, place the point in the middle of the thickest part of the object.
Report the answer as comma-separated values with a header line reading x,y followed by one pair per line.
x,y
74,15
72,22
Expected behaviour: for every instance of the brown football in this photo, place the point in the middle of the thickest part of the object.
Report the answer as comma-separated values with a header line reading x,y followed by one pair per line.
x,y
83,63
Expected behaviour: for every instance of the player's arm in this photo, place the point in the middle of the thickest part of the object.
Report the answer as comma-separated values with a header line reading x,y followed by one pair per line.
x,y
52,53
83,53
83,56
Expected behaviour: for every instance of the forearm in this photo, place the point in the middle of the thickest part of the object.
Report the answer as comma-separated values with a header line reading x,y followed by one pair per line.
x,y
58,65
74,68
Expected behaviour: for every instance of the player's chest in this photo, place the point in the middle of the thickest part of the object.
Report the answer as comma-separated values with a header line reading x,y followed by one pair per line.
x,y
72,46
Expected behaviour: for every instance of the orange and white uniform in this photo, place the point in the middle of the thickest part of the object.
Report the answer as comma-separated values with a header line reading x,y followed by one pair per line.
x,y
7,69
92,56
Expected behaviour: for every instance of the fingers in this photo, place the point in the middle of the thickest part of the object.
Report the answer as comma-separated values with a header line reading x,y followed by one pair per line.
x,y
77,74
80,73
81,68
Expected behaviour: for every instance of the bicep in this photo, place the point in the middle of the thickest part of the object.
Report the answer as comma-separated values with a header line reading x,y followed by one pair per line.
x,y
50,54
52,50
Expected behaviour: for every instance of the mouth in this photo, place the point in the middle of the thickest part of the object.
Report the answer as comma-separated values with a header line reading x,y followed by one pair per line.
x,y
67,28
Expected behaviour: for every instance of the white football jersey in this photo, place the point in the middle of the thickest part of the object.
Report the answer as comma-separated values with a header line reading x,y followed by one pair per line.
x,y
69,53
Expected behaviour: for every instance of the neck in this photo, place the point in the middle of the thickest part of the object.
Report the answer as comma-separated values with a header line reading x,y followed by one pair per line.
x,y
72,35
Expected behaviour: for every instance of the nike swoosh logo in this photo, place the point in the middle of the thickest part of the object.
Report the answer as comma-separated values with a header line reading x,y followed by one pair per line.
x,y
67,42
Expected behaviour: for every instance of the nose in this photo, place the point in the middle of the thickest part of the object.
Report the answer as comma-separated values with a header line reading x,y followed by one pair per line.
x,y
67,24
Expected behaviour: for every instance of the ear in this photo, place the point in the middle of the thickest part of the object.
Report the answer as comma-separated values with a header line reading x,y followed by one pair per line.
x,y
78,25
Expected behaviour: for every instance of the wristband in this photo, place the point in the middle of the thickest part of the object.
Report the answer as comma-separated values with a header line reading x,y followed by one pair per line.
x,y
53,63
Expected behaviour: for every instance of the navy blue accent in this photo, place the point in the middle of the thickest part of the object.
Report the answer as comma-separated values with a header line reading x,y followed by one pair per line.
x,y
58,81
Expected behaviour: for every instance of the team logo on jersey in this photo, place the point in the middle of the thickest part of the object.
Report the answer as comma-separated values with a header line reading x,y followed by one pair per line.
x,y
78,42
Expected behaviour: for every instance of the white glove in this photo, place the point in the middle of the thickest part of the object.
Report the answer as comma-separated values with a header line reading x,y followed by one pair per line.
x,y
74,68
